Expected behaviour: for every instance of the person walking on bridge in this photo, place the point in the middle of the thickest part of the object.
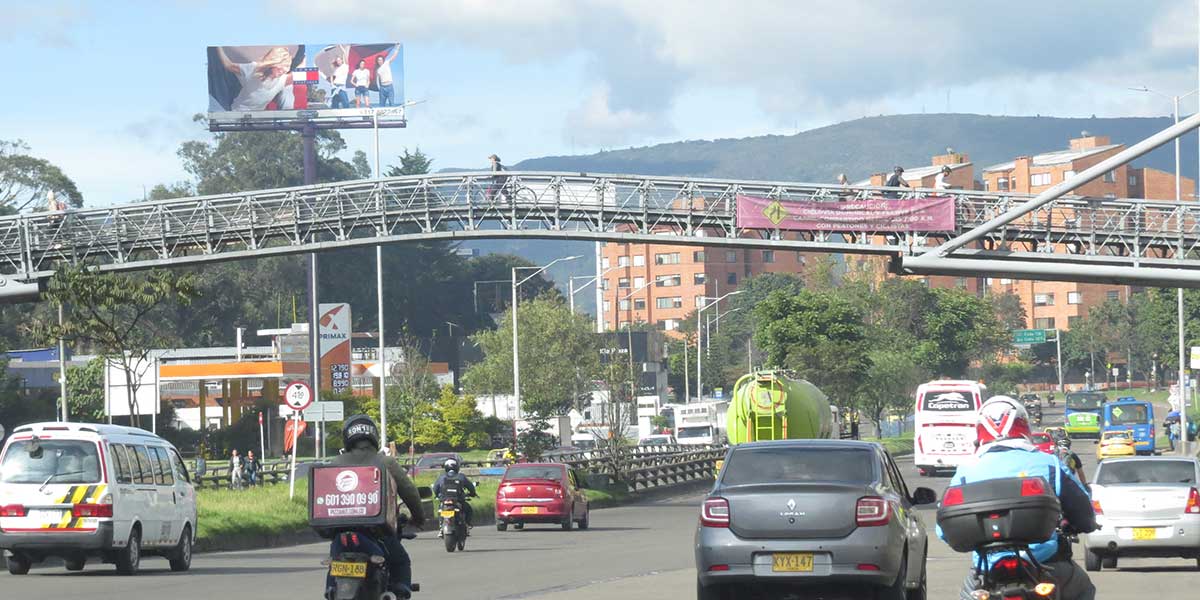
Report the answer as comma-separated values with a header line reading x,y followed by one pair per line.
x,y
896,181
498,180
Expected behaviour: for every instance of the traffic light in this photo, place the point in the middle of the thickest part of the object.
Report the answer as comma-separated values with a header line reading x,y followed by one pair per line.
x,y
12,291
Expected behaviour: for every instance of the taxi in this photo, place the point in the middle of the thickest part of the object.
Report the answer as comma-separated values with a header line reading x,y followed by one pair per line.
x,y
1115,443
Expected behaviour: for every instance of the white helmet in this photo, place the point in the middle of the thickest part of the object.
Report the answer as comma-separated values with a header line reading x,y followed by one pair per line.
x,y
1002,418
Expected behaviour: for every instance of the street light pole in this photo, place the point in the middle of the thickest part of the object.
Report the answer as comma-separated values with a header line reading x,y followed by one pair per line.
x,y
571,290
699,341
515,347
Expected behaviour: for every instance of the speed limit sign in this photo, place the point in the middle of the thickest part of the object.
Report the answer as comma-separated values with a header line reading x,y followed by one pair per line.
x,y
297,395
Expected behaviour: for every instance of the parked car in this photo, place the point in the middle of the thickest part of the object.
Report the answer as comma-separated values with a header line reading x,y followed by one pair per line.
x,y
1115,443
658,439
541,493
77,491
433,461
811,513
1148,507
1044,442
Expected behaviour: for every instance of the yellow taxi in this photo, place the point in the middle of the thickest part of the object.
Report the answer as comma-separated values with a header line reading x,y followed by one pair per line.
x,y
1115,443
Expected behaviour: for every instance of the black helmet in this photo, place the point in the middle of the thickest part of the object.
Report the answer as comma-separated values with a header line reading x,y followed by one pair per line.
x,y
451,465
357,428
1065,443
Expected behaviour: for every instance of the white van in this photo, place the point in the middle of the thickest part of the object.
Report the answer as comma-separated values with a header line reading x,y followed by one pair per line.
x,y
78,490
944,421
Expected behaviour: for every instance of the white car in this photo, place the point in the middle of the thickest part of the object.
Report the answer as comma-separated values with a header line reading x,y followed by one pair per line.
x,y
78,490
1147,507
657,439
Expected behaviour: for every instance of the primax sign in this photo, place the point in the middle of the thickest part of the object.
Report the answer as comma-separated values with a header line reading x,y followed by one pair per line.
x,y
333,331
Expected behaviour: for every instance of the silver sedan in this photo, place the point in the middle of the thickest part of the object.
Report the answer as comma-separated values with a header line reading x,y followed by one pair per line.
x,y
811,513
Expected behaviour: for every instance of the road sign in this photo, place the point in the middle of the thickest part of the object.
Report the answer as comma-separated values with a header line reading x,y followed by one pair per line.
x,y
1029,336
298,396
320,411
1195,357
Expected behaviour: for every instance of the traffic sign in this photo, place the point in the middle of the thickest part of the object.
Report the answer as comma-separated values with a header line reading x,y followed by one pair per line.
x,y
1195,362
1029,336
297,395
320,411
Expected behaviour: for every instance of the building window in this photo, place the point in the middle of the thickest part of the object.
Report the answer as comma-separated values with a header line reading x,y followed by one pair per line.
x,y
1043,299
639,304
731,278
698,256
623,305
675,302
1074,298
986,185
800,258
730,256
698,278
671,324
607,306
604,262
671,258
1110,177
604,285
623,282
1005,281
639,260
1002,184
667,281
639,283
1044,323
1039,179
1112,295
700,301
961,283
622,261
1110,195
768,256
1068,174
1072,321
1133,180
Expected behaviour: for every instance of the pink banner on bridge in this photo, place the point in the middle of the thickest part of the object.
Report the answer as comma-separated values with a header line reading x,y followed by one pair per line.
x,y
934,213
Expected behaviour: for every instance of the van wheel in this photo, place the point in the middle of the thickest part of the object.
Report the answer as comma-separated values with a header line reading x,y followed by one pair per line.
x,y
518,526
18,565
181,556
501,526
1109,562
1091,560
75,564
129,558
586,521
568,524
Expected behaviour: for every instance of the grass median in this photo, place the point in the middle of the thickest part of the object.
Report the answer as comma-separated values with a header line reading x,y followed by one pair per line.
x,y
899,445
258,511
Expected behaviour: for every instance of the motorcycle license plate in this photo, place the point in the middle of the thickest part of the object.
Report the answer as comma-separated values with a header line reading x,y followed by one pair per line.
x,y
447,513
529,510
348,569
792,562
1144,533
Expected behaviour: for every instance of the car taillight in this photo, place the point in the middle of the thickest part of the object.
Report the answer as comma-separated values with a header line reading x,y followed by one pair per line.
x,y
715,513
81,511
1193,502
1033,486
871,511
952,497
1096,507
12,510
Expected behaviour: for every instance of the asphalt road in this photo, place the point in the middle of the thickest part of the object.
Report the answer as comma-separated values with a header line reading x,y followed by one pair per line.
x,y
634,552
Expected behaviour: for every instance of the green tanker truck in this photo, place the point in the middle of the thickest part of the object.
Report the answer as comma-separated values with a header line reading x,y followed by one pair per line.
x,y
770,405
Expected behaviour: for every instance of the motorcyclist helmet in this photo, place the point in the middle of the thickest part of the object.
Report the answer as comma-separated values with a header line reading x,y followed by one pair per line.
x,y
359,428
451,466
1002,418
1065,443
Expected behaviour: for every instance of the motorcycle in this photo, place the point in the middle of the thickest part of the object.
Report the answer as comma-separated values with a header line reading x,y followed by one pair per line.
x,y
453,524
358,568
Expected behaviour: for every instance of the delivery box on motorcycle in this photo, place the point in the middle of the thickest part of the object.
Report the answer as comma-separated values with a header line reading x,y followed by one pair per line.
x,y
346,497
1011,510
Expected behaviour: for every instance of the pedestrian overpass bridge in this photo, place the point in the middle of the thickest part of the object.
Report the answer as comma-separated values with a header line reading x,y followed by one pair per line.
x,y
1077,238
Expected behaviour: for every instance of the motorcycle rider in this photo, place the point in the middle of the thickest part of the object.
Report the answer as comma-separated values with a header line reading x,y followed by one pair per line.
x,y
1005,451
453,484
1070,459
360,438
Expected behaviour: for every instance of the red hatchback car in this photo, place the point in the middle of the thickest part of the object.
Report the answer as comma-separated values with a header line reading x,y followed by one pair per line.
x,y
1043,442
541,493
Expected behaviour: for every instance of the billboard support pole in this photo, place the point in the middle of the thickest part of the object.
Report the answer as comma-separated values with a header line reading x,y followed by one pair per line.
x,y
309,135
314,343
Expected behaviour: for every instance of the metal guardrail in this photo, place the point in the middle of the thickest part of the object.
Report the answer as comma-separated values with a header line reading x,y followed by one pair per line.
x,y
629,208
218,476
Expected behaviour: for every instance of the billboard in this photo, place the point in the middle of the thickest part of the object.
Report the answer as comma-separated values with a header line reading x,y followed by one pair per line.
x,y
935,213
304,81
334,330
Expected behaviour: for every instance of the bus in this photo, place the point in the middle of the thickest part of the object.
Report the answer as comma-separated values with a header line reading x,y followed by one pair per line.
x,y
1130,414
944,421
1082,414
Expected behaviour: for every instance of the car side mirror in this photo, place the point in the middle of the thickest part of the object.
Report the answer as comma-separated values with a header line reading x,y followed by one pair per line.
x,y
924,495
424,492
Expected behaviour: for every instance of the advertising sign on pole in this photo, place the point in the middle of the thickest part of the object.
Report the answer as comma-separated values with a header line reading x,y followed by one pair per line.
x,y
1195,357
334,330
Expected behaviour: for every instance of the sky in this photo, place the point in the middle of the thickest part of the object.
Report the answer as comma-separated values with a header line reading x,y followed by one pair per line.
x,y
107,89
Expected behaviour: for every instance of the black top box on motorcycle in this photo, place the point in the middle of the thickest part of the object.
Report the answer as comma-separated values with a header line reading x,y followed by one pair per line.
x,y
1012,510
351,497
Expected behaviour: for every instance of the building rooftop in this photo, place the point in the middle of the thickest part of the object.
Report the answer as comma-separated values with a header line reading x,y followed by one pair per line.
x,y
1057,157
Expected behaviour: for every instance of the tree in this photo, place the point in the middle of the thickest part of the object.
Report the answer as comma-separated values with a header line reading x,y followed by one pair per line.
x,y
415,163
119,316
556,347
85,391
26,180
412,389
455,424
892,379
1010,312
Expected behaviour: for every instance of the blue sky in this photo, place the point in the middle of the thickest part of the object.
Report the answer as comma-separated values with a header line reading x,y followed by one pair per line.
x,y
107,89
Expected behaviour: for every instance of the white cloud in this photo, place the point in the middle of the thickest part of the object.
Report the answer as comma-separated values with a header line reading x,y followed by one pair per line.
x,y
601,125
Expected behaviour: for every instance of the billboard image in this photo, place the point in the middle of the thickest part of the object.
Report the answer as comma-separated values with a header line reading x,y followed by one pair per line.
x,y
334,344
303,81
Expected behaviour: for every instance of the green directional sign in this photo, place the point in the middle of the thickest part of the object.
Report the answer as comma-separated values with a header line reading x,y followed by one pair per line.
x,y
1029,336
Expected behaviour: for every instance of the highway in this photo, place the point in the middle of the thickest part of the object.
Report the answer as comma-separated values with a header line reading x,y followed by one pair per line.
x,y
636,552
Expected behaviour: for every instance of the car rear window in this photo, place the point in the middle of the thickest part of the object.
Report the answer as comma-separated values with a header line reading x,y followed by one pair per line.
x,y
428,462
1146,471
551,473
50,461
796,464
1041,438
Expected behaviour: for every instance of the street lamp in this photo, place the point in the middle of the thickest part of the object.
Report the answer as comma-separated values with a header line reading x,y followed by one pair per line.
x,y
515,350
709,322
699,364
1178,292
571,289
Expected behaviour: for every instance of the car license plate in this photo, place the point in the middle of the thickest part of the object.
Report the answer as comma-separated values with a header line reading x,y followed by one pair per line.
x,y
348,569
1144,533
46,516
792,562
447,513
529,510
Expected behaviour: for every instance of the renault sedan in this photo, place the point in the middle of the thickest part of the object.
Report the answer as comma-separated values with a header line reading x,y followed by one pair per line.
x,y
795,514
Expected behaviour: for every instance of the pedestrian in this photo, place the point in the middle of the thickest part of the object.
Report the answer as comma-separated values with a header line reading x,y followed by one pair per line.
x,y
896,181
942,182
235,470
383,78
251,469
498,181
361,80
854,425
341,72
